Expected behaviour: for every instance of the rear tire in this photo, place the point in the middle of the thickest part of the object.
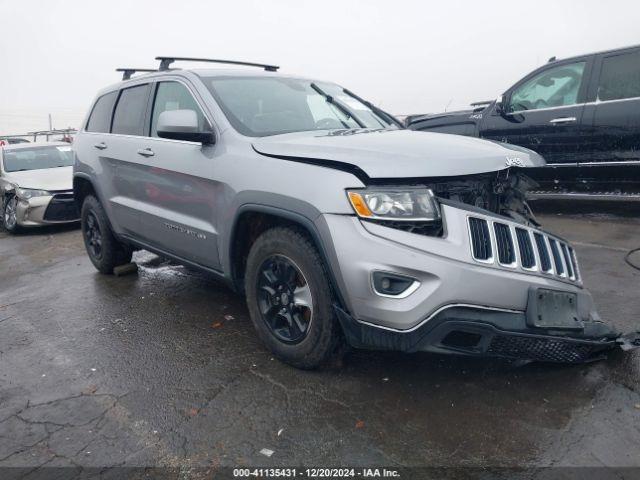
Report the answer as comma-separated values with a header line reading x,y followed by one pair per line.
x,y
104,250
290,299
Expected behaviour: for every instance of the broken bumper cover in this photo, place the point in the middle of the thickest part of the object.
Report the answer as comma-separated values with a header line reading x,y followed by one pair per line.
x,y
47,210
443,266
460,305
474,331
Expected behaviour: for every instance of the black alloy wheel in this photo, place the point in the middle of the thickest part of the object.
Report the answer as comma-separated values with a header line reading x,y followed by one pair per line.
x,y
93,235
284,299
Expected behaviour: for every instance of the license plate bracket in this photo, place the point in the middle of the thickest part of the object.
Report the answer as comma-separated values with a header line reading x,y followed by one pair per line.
x,y
555,309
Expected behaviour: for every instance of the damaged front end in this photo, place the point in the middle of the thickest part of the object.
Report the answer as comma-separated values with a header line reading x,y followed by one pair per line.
x,y
503,193
473,331
557,321
444,220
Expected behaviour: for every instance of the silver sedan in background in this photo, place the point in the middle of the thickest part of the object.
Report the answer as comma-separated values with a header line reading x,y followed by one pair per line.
x,y
36,186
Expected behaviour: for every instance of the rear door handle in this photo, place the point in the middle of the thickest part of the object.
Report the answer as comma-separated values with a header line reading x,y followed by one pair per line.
x,y
100,146
146,152
563,120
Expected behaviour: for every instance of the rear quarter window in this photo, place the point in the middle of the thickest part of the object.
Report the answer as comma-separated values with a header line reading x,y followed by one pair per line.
x,y
128,118
100,117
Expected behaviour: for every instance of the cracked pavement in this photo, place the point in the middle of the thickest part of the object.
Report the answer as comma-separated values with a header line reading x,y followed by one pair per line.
x,y
162,369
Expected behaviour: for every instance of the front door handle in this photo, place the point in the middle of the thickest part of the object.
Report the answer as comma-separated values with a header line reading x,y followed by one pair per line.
x,y
563,120
146,152
100,146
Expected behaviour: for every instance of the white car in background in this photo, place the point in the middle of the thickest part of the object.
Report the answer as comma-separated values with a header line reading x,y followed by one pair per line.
x,y
36,186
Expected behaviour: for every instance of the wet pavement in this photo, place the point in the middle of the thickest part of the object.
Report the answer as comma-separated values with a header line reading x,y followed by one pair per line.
x,y
162,368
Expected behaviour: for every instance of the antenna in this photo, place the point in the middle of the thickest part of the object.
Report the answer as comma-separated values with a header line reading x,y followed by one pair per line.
x,y
165,62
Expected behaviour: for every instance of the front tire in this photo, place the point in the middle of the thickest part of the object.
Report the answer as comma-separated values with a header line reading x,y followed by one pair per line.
x,y
290,299
104,250
10,214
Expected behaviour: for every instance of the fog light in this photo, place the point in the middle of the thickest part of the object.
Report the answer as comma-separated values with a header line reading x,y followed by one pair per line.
x,y
393,285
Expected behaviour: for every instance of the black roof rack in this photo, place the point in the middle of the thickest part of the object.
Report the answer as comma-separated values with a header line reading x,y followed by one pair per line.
x,y
166,61
127,72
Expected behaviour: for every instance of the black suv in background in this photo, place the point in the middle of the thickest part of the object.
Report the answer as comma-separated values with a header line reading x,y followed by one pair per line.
x,y
582,114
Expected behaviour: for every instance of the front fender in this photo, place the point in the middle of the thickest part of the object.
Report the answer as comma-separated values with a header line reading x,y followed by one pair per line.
x,y
292,210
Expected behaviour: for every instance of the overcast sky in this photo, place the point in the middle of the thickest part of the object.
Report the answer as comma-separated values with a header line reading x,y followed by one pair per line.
x,y
406,56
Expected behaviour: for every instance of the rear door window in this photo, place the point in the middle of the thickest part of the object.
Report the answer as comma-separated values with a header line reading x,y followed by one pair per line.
x,y
620,77
100,118
174,96
128,119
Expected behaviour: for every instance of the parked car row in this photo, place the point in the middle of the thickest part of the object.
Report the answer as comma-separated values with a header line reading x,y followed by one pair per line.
x,y
581,113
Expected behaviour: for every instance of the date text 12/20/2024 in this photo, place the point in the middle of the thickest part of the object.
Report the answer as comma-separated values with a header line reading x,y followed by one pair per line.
x,y
316,473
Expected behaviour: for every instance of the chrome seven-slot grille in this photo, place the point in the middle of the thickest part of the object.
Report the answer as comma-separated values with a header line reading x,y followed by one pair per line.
x,y
515,246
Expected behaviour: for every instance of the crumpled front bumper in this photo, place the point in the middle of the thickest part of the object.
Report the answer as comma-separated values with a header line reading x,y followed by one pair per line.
x,y
46,210
476,332
461,305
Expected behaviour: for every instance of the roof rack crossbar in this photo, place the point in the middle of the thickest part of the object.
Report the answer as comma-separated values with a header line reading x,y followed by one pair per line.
x,y
127,72
479,103
165,62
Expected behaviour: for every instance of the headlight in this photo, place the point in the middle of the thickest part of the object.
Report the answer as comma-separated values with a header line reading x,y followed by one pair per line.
x,y
415,205
27,193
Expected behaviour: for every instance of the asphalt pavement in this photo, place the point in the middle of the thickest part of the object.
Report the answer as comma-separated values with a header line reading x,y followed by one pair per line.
x,y
162,369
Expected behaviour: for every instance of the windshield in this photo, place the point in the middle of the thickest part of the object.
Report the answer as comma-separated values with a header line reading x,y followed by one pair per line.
x,y
37,158
261,106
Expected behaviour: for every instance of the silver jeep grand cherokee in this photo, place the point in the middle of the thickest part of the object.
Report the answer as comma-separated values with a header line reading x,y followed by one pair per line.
x,y
338,225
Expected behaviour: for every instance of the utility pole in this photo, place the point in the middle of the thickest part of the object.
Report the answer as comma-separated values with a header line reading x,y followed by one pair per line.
x,y
50,123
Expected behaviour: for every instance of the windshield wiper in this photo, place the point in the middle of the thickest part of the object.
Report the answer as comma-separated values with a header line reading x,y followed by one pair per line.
x,y
338,105
381,113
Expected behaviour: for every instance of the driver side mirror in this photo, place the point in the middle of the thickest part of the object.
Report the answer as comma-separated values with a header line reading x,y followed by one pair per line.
x,y
183,125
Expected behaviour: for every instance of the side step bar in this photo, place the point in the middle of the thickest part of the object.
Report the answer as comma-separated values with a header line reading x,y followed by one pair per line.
x,y
599,196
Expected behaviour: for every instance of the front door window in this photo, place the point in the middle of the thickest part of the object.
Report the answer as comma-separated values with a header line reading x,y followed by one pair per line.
x,y
174,96
554,87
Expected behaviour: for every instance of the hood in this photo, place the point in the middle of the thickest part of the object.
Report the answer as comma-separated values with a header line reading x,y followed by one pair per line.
x,y
398,153
475,109
51,179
